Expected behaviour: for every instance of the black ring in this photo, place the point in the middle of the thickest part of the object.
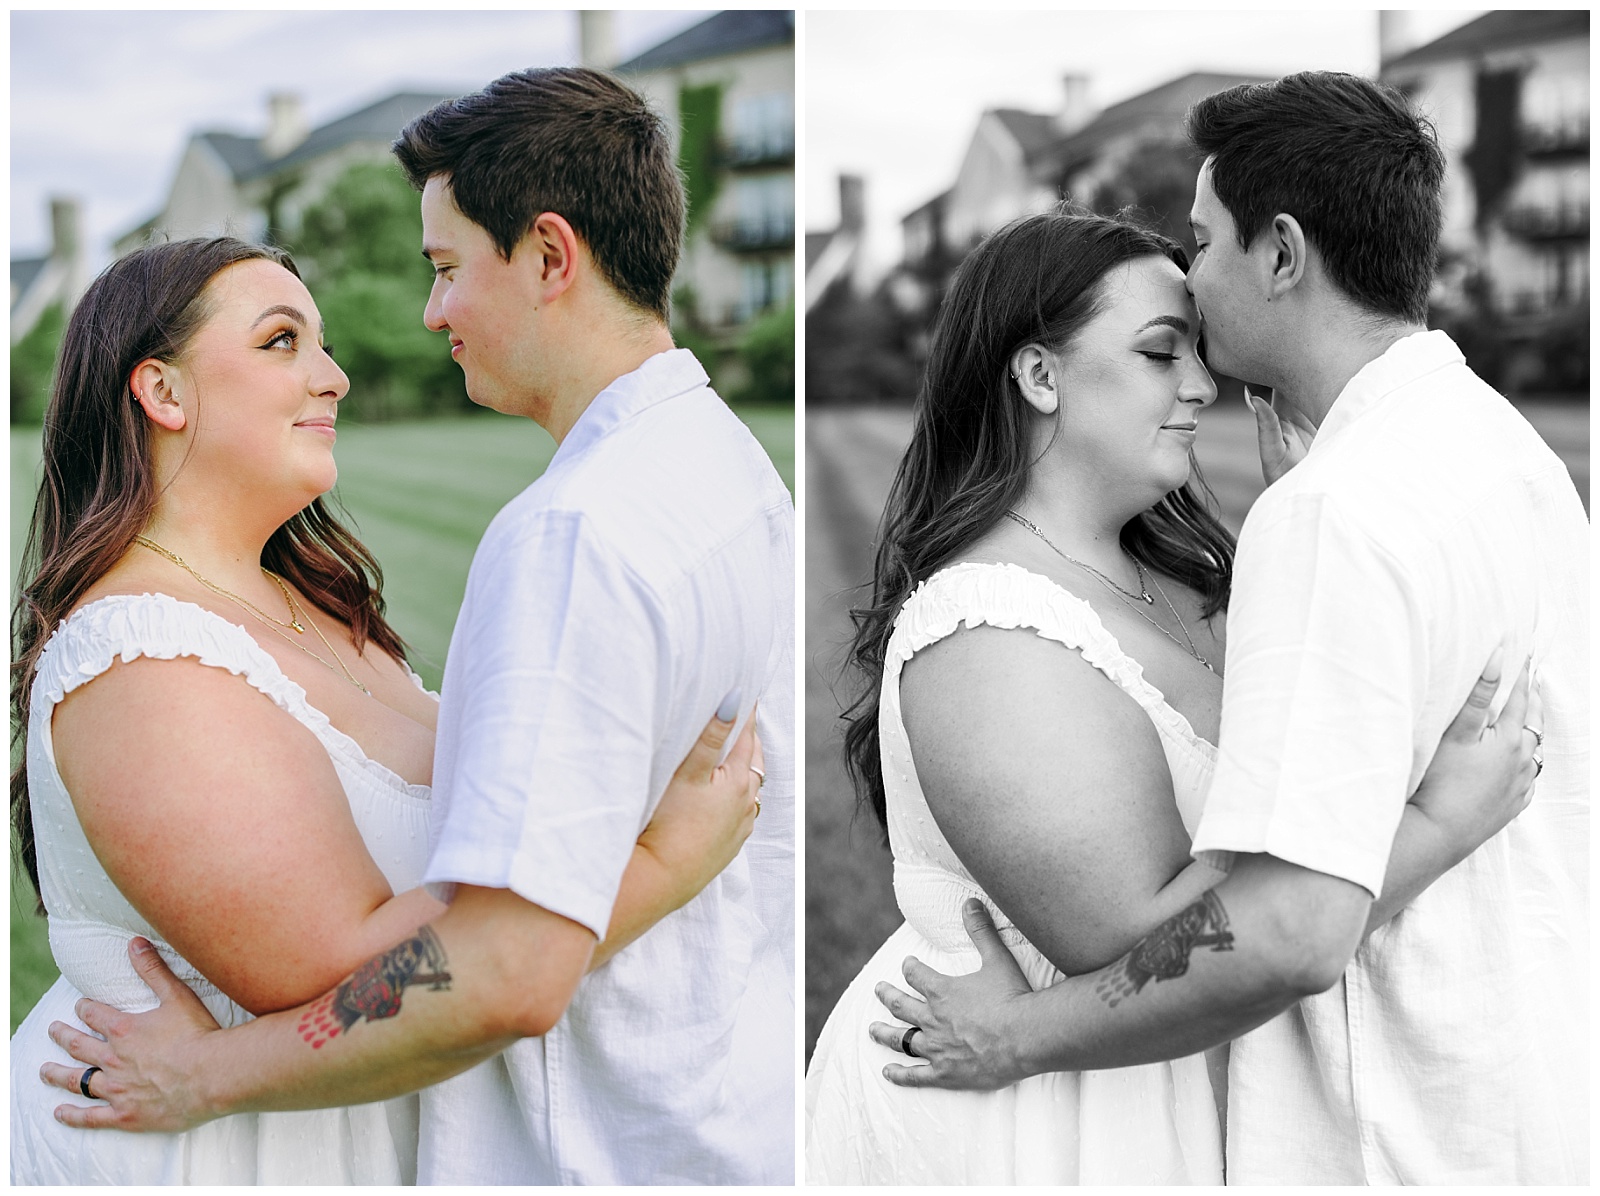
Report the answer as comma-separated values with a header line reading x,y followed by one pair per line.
x,y
1538,767
83,1082
905,1042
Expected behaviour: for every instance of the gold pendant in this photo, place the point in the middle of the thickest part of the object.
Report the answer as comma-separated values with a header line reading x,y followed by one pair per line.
x,y
295,625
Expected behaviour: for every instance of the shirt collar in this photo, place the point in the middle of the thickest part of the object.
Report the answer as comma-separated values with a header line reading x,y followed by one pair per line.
x,y
1409,358
659,378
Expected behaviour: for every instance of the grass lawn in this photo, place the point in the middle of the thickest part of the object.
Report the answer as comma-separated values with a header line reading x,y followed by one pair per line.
x,y
420,495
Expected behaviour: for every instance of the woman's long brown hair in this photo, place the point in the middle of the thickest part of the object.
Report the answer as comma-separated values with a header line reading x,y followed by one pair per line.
x,y
98,488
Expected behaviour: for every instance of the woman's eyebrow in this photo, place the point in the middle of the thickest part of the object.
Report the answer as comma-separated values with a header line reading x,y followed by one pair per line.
x,y
282,309
1177,322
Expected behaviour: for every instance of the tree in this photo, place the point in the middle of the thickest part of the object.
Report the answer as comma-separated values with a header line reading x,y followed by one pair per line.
x,y
768,351
33,361
1157,179
359,247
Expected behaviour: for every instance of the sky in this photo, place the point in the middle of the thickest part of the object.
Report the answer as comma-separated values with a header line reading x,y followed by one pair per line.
x,y
895,96
102,103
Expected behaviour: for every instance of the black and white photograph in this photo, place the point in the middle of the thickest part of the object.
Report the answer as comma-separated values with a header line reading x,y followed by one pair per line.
x,y
1197,598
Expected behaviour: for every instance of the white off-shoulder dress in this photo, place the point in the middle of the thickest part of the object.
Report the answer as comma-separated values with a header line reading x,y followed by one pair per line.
x,y
1154,1124
91,923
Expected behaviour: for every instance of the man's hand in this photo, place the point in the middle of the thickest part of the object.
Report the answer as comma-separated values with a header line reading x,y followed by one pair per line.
x,y
960,1019
1482,775
1282,435
140,1056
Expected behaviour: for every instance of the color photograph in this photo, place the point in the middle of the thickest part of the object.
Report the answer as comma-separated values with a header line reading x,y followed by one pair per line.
x,y
403,635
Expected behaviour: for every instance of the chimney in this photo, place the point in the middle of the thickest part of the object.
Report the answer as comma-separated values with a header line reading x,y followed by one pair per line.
x,y
286,124
1396,35
63,227
66,246
852,203
596,41
1077,109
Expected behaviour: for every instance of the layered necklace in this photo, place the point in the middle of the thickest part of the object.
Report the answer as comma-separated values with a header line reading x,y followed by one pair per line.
x,y
1133,600
277,626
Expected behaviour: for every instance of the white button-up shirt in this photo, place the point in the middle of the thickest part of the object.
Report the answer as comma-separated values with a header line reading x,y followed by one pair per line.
x,y
1427,524
609,609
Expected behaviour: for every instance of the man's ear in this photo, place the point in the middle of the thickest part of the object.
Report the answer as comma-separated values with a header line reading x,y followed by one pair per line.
x,y
1286,243
154,385
554,252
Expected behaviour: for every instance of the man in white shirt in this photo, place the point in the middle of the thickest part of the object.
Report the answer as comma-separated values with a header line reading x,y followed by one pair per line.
x,y
610,607
1427,524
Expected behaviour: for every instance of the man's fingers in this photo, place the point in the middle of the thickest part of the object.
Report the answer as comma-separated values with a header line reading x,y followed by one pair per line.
x,y
904,1006
62,1076
886,1035
980,929
918,1075
153,971
96,1016
921,977
85,1048
88,1117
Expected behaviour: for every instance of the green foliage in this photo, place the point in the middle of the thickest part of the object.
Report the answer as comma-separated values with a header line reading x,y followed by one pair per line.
x,y
699,117
359,248
33,361
768,351
689,333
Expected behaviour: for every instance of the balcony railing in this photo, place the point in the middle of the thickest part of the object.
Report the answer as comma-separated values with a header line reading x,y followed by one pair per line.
x,y
749,234
1565,137
1545,223
771,148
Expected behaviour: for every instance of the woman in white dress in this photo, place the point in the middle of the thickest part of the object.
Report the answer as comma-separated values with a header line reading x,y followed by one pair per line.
x,y
1044,651
226,751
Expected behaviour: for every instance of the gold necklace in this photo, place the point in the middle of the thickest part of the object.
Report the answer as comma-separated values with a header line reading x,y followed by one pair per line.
x,y
274,625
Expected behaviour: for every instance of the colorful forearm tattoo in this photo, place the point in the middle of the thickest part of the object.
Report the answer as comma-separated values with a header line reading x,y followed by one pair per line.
x,y
374,989
1164,953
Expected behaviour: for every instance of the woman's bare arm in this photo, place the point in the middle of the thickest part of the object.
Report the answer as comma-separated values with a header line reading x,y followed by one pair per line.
x,y
1051,785
222,820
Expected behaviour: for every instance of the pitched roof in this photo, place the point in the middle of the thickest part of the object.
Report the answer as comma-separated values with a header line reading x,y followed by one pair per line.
x,y
938,201
381,121
724,33
1499,31
1163,106
23,272
1033,131
240,155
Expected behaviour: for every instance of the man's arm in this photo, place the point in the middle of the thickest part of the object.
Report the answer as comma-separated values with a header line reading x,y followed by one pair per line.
x,y
490,970
1267,935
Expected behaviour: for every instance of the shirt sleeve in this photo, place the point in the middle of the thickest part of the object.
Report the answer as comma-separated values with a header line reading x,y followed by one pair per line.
x,y
1325,667
562,697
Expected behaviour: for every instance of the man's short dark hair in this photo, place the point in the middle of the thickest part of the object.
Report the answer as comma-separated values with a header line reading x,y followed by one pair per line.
x,y
568,140
1349,160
